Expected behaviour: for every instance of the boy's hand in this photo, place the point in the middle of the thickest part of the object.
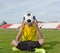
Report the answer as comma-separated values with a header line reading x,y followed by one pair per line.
x,y
41,41
20,31
35,23
23,23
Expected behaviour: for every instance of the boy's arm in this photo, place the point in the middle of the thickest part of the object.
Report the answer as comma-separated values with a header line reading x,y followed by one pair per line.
x,y
20,32
38,31
41,40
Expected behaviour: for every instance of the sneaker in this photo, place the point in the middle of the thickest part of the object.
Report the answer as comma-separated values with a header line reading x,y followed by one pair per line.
x,y
15,49
40,50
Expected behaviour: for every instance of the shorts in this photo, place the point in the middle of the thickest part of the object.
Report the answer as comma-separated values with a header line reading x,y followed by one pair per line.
x,y
28,45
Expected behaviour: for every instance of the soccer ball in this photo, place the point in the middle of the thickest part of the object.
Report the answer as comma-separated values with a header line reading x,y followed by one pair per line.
x,y
29,18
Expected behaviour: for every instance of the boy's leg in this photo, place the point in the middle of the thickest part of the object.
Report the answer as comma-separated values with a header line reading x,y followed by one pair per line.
x,y
33,44
26,45
19,45
22,45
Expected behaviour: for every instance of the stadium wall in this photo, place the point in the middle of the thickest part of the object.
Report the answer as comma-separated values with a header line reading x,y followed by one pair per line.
x,y
49,25
40,25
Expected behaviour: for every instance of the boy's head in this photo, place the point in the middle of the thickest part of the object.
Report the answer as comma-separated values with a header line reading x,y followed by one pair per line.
x,y
29,18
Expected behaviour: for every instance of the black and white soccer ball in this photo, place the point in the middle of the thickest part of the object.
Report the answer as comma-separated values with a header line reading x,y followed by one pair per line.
x,y
29,18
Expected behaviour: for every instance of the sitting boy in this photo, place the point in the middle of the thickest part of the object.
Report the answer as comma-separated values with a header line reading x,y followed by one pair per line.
x,y
27,32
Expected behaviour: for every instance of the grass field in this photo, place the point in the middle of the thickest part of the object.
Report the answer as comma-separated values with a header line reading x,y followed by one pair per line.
x,y
52,41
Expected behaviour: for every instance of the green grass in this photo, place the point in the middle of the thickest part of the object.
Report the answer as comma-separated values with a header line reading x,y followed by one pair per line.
x,y
52,41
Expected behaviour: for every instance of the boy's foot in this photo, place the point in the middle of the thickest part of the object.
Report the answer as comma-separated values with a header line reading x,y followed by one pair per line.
x,y
15,49
40,50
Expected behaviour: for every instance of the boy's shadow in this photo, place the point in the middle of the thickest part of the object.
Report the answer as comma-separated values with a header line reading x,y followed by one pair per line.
x,y
51,45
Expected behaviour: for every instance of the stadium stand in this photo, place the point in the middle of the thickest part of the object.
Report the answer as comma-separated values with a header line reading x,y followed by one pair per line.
x,y
5,26
58,27
40,25
50,25
14,26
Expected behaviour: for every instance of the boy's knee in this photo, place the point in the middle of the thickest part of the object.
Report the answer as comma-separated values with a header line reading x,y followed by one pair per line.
x,y
14,43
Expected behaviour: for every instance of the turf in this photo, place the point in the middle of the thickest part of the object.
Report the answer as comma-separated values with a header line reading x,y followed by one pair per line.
x,y
52,41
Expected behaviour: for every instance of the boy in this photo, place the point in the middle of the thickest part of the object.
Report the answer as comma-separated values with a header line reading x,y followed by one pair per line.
x,y
28,33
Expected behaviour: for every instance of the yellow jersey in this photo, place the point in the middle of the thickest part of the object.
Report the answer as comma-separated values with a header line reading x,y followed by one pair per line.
x,y
29,33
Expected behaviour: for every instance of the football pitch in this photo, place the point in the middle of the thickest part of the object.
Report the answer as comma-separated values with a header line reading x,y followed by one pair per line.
x,y
52,41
